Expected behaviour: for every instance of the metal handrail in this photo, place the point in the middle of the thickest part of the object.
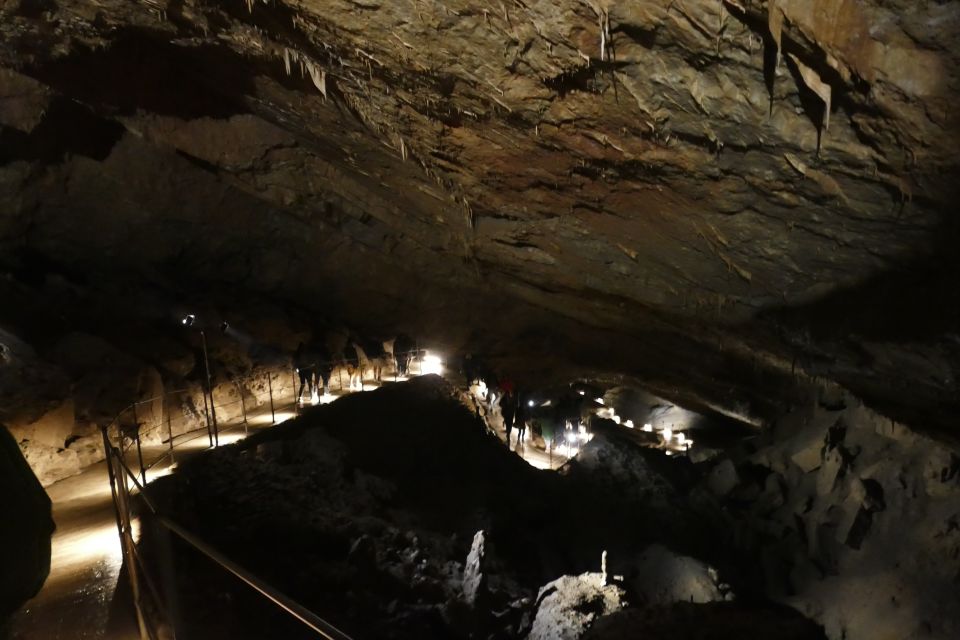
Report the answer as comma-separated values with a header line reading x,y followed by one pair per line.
x,y
298,611
120,493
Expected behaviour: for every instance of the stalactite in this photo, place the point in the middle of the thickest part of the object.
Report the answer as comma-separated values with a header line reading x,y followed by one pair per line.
x,y
286,60
823,90
319,77
775,24
604,18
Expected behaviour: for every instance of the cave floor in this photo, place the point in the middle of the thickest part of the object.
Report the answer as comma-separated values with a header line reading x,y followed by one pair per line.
x,y
86,595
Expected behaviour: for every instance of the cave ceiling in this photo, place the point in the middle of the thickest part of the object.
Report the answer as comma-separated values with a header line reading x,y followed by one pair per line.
x,y
705,194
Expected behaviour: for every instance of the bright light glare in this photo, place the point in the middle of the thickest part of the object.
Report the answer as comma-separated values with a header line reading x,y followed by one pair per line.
x,y
327,398
571,437
667,435
669,453
598,400
616,418
530,403
86,546
159,472
230,438
431,364
582,392
647,427
628,424
681,438
314,397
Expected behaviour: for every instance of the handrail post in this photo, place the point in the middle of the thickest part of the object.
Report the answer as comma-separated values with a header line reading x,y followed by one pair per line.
x,y
243,408
133,571
111,474
213,408
170,434
273,414
136,426
296,396
206,415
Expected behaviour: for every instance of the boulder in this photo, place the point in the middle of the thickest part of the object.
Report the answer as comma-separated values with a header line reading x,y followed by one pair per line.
x,y
664,577
568,606
474,580
723,478
25,529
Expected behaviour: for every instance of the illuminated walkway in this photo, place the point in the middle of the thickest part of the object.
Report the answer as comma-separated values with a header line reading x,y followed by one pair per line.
x,y
533,455
85,596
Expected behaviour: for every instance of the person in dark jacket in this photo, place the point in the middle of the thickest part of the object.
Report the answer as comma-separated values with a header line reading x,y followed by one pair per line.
x,y
325,366
302,361
508,409
521,417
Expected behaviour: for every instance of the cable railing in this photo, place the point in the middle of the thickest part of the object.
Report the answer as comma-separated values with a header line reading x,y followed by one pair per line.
x,y
161,423
146,434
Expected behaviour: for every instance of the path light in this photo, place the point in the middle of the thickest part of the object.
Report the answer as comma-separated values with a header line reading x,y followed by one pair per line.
x,y
647,427
188,321
431,364
598,400
628,424
582,392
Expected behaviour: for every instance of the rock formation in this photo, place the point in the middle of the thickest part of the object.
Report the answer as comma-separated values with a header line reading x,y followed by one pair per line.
x,y
24,531
733,193
852,519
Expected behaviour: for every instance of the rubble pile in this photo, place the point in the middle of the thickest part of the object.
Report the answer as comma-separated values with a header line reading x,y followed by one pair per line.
x,y
850,518
396,514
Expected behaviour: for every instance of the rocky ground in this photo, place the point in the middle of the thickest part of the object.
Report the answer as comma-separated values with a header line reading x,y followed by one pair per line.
x,y
396,514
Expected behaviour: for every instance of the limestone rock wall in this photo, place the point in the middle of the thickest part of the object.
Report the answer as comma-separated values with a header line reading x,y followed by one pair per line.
x,y
853,520
711,196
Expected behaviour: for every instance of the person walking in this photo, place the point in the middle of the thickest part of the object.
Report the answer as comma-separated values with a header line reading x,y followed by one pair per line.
x,y
521,418
304,366
508,409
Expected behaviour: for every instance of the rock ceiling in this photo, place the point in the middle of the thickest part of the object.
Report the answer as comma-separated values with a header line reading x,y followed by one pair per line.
x,y
712,196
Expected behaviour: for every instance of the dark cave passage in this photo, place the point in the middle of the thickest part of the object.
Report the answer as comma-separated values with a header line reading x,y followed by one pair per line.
x,y
532,320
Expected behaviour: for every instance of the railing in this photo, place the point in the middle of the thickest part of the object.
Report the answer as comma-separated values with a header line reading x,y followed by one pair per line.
x,y
165,423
